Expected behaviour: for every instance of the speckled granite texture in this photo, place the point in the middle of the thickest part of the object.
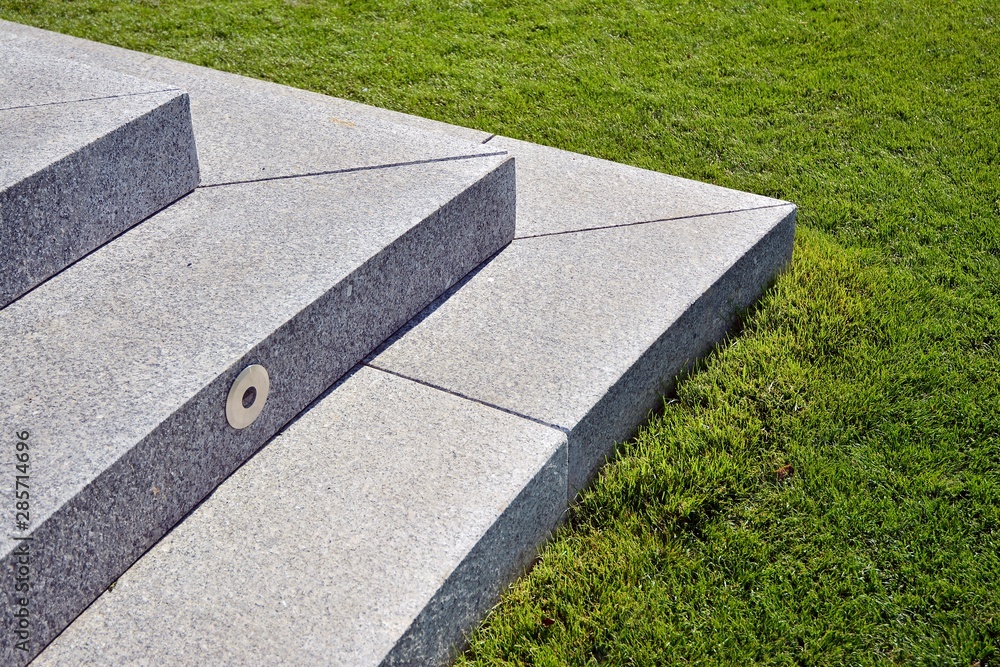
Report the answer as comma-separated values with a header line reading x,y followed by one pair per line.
x,y
204,84
250,130
87,153
572,193
386,519
325,546
120,366
33,78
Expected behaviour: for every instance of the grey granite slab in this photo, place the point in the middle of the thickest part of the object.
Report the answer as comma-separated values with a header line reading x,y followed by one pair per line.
x,y
74,175
33,78
119,367
587,331
248,129
363,534
244,134
144,64
560,191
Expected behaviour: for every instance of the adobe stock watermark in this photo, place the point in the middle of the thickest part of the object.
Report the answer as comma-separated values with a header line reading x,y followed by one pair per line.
x,y
22,553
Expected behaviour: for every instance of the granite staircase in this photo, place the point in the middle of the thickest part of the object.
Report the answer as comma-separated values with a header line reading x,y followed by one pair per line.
x,y
286,383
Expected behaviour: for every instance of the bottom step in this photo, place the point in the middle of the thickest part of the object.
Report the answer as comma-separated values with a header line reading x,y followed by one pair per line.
x,y
375,528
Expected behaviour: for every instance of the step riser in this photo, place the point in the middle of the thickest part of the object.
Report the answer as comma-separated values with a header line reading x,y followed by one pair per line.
x,y
92,539
100,188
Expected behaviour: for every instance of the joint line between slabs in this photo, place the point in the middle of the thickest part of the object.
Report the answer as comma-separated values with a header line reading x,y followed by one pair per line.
x,y
349,170
650,222
91,99
561,429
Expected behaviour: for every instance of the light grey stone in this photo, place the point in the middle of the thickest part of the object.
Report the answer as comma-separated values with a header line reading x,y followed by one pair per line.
x,y
74,175
245,134
119,367
31,78
248,129
560,191
586,331
379,524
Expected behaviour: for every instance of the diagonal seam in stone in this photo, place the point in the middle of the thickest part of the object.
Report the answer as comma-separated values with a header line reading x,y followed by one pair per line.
x,y
650,222
348,170
514,413
93,99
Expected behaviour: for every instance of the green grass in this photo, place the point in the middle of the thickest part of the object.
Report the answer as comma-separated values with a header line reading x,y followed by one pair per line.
x,y
871,367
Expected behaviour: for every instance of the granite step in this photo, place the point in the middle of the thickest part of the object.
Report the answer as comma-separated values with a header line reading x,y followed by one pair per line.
x,y
87,153
375,529
123,368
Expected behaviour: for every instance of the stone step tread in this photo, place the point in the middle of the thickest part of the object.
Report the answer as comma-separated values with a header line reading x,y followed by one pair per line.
x,y
31,78
608,194
250,130
190,76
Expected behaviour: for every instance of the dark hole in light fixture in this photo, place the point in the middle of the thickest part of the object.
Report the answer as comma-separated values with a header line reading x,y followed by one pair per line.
x,y
249,396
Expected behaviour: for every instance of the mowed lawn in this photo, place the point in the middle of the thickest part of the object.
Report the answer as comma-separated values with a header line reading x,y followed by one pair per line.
x,y
825,488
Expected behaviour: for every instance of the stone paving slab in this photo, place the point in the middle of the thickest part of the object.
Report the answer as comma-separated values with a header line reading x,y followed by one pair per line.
x,y
362,534
87,153
249,130
571,192
31,78
119,367
164,69
259,132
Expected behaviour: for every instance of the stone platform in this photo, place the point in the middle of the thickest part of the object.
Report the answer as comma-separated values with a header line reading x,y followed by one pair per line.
x,y
384,520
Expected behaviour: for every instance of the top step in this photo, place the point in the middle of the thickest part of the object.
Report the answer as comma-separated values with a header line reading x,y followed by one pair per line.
x,y
87,153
